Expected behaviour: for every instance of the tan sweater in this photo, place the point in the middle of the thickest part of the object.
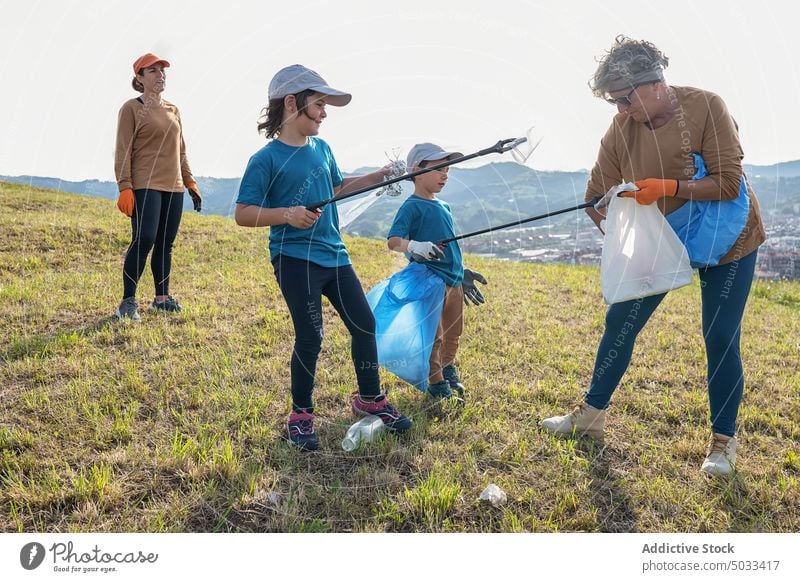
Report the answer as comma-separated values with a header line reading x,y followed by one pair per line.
x,y
150,152
631,151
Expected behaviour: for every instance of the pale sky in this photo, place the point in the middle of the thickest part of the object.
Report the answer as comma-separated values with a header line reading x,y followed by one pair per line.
x,y
459,73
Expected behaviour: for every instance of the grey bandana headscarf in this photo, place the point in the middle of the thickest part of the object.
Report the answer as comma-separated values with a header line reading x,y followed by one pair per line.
x,y
626,80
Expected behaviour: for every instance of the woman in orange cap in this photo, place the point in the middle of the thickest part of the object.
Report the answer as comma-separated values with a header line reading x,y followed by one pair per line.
x,y
152,171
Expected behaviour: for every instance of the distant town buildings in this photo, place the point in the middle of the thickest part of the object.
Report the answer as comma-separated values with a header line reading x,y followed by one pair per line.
x,y
778,258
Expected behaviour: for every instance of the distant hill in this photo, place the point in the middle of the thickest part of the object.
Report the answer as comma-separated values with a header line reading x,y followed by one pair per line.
x,y
781,170
219,194
479,197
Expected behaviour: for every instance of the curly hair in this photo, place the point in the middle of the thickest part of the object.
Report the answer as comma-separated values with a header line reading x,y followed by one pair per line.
x,y
626,59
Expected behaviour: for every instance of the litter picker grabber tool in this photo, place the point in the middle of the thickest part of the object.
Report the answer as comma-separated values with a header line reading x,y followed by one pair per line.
x,y
502,146
592,202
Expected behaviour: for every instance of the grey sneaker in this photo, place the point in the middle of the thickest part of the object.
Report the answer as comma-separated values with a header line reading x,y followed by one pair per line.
x,y
169,305
128,309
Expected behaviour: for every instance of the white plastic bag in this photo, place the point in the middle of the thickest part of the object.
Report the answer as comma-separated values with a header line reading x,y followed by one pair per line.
x,y
642,255
494,495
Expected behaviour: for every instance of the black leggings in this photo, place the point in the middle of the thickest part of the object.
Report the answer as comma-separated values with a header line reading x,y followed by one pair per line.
x,y
154,224
303,284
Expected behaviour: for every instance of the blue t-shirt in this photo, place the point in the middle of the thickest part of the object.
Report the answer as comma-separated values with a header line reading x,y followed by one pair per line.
x,y
423,220
279,175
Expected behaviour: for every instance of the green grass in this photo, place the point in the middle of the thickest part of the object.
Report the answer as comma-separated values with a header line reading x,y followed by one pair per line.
x,y
174,424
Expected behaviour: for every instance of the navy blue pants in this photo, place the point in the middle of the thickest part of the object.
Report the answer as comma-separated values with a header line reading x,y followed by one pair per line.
x,y
724,291
303,284
154,224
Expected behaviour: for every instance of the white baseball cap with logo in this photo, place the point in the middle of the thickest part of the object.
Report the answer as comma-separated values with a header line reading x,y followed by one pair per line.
x,y
426,152
296,78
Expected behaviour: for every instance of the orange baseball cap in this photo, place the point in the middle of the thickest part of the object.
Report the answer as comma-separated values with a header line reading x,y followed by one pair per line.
x,y
147,60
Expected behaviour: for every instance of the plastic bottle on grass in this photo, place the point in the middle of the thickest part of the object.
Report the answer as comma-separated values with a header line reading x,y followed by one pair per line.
x,y
364,431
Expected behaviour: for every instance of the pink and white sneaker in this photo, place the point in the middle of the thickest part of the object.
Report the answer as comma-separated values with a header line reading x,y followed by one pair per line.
x,y
380,407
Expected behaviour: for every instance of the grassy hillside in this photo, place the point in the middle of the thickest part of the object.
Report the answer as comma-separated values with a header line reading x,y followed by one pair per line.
x,y
174,424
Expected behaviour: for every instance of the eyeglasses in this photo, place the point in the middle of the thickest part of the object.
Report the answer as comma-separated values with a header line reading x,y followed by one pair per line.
x,y
625,100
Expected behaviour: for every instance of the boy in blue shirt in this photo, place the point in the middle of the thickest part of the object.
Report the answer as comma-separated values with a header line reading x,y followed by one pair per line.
x,y
422,220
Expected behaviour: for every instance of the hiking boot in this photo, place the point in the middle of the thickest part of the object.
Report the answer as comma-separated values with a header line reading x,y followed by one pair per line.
x,y
721,456
169,305
439,390
442,392
128,309
380,407
451,375
584,420
300,429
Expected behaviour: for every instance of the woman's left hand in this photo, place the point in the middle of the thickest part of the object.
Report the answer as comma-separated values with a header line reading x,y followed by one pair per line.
x,y
652,189
194,194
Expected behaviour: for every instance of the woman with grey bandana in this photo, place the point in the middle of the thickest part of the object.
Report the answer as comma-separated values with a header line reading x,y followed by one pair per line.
x,y
680,146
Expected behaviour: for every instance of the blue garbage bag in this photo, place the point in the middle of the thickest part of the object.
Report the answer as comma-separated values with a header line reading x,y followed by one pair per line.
x,y
407,308
709,228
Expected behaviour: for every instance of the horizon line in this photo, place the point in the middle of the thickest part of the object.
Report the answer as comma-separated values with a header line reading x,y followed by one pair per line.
x,y
581,170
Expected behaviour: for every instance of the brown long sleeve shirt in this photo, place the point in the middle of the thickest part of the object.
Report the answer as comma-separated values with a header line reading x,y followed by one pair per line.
x,y
631,151
150,151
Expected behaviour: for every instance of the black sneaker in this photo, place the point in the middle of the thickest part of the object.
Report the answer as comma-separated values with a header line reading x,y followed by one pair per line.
x,y
300,429
451,375
128,309
169,305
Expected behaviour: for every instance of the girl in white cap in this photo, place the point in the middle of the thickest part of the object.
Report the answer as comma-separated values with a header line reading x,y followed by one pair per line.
x,y
294,170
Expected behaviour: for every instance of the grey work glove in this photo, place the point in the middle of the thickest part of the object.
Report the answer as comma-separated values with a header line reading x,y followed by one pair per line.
x,y
471,291
424,251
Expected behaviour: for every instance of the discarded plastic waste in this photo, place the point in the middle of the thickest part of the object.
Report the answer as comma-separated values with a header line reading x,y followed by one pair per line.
x,y
364,431
494,495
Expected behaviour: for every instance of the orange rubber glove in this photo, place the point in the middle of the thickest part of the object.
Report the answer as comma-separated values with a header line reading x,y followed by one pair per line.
x,y
126,202
652,189
194,194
